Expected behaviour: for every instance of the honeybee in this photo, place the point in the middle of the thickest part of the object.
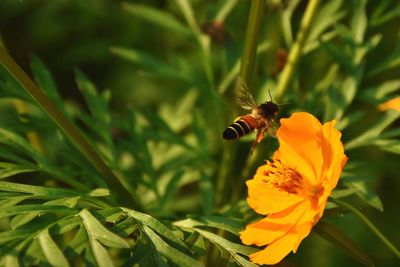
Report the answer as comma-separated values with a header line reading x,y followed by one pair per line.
x,y
261,117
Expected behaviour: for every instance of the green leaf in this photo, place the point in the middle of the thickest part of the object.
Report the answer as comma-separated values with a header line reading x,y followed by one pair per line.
x,y
98,232
327,16
366,194
38,190
14,210
11,260
45,81
77,244
164,131
99,192
392,146
225,223
339,239
379,92
51,251
157,226
359,20
231,248
382,14
339,193
9,169
196,243
337,54
169,252
69,202
350,119
149,63
157,17
225,244
207,193
100,253
9,138
21,144
390,62
171,188
373,132
96,102
12,201
23,219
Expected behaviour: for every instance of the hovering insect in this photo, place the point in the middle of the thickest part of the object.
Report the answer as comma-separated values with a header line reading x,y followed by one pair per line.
x,y
261,117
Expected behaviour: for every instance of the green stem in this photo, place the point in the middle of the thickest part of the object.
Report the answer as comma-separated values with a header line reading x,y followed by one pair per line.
x,y
251,42
296,49
370,225
66,126
225,10
248,60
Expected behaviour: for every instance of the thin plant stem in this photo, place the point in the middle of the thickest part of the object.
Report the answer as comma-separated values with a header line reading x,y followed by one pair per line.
x,y
251,42
203,40
69,129
248,62
225,10
370,225
296,49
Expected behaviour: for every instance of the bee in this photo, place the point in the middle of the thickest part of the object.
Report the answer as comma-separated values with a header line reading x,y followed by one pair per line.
x,y
261,118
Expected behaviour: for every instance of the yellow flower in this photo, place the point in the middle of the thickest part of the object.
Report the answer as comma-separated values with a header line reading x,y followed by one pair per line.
x,y
393,103
294,187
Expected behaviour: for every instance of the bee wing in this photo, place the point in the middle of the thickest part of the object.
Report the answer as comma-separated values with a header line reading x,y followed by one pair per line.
x,y
243,96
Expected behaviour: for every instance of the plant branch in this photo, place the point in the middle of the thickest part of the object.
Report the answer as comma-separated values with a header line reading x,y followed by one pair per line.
x,y
370,225
67,127
296,49
251,42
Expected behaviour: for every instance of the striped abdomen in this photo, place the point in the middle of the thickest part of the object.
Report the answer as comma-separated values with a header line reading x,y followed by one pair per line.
x,y
242,126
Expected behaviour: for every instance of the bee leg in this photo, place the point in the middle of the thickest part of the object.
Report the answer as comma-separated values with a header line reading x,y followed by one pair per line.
x,y
260,135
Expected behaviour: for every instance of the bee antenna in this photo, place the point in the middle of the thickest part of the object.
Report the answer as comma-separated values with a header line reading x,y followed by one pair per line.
x,y
270,96
283,104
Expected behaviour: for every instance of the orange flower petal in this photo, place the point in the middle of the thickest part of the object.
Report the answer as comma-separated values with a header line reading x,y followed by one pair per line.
x,y
333,153
266,199
276,251
274,226
391,104
300,144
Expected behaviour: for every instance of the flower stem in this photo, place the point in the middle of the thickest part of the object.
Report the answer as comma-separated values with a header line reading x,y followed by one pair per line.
x,y
69,129
370,225
225,10
250,46
296,49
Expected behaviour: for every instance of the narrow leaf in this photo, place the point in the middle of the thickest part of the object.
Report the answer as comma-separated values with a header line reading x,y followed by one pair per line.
x,y
51,251
97,231
157,17
224,223
339,239
100,253
9,169
169,252
366,194
157,226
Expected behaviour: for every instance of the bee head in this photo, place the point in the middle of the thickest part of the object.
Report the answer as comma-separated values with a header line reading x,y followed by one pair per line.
x,y
269,109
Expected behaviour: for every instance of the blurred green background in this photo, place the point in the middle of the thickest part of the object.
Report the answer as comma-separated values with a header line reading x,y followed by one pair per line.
x,y
168,66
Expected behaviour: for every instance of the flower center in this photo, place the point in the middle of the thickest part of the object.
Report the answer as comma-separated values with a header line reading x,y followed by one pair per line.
x,y
288,179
